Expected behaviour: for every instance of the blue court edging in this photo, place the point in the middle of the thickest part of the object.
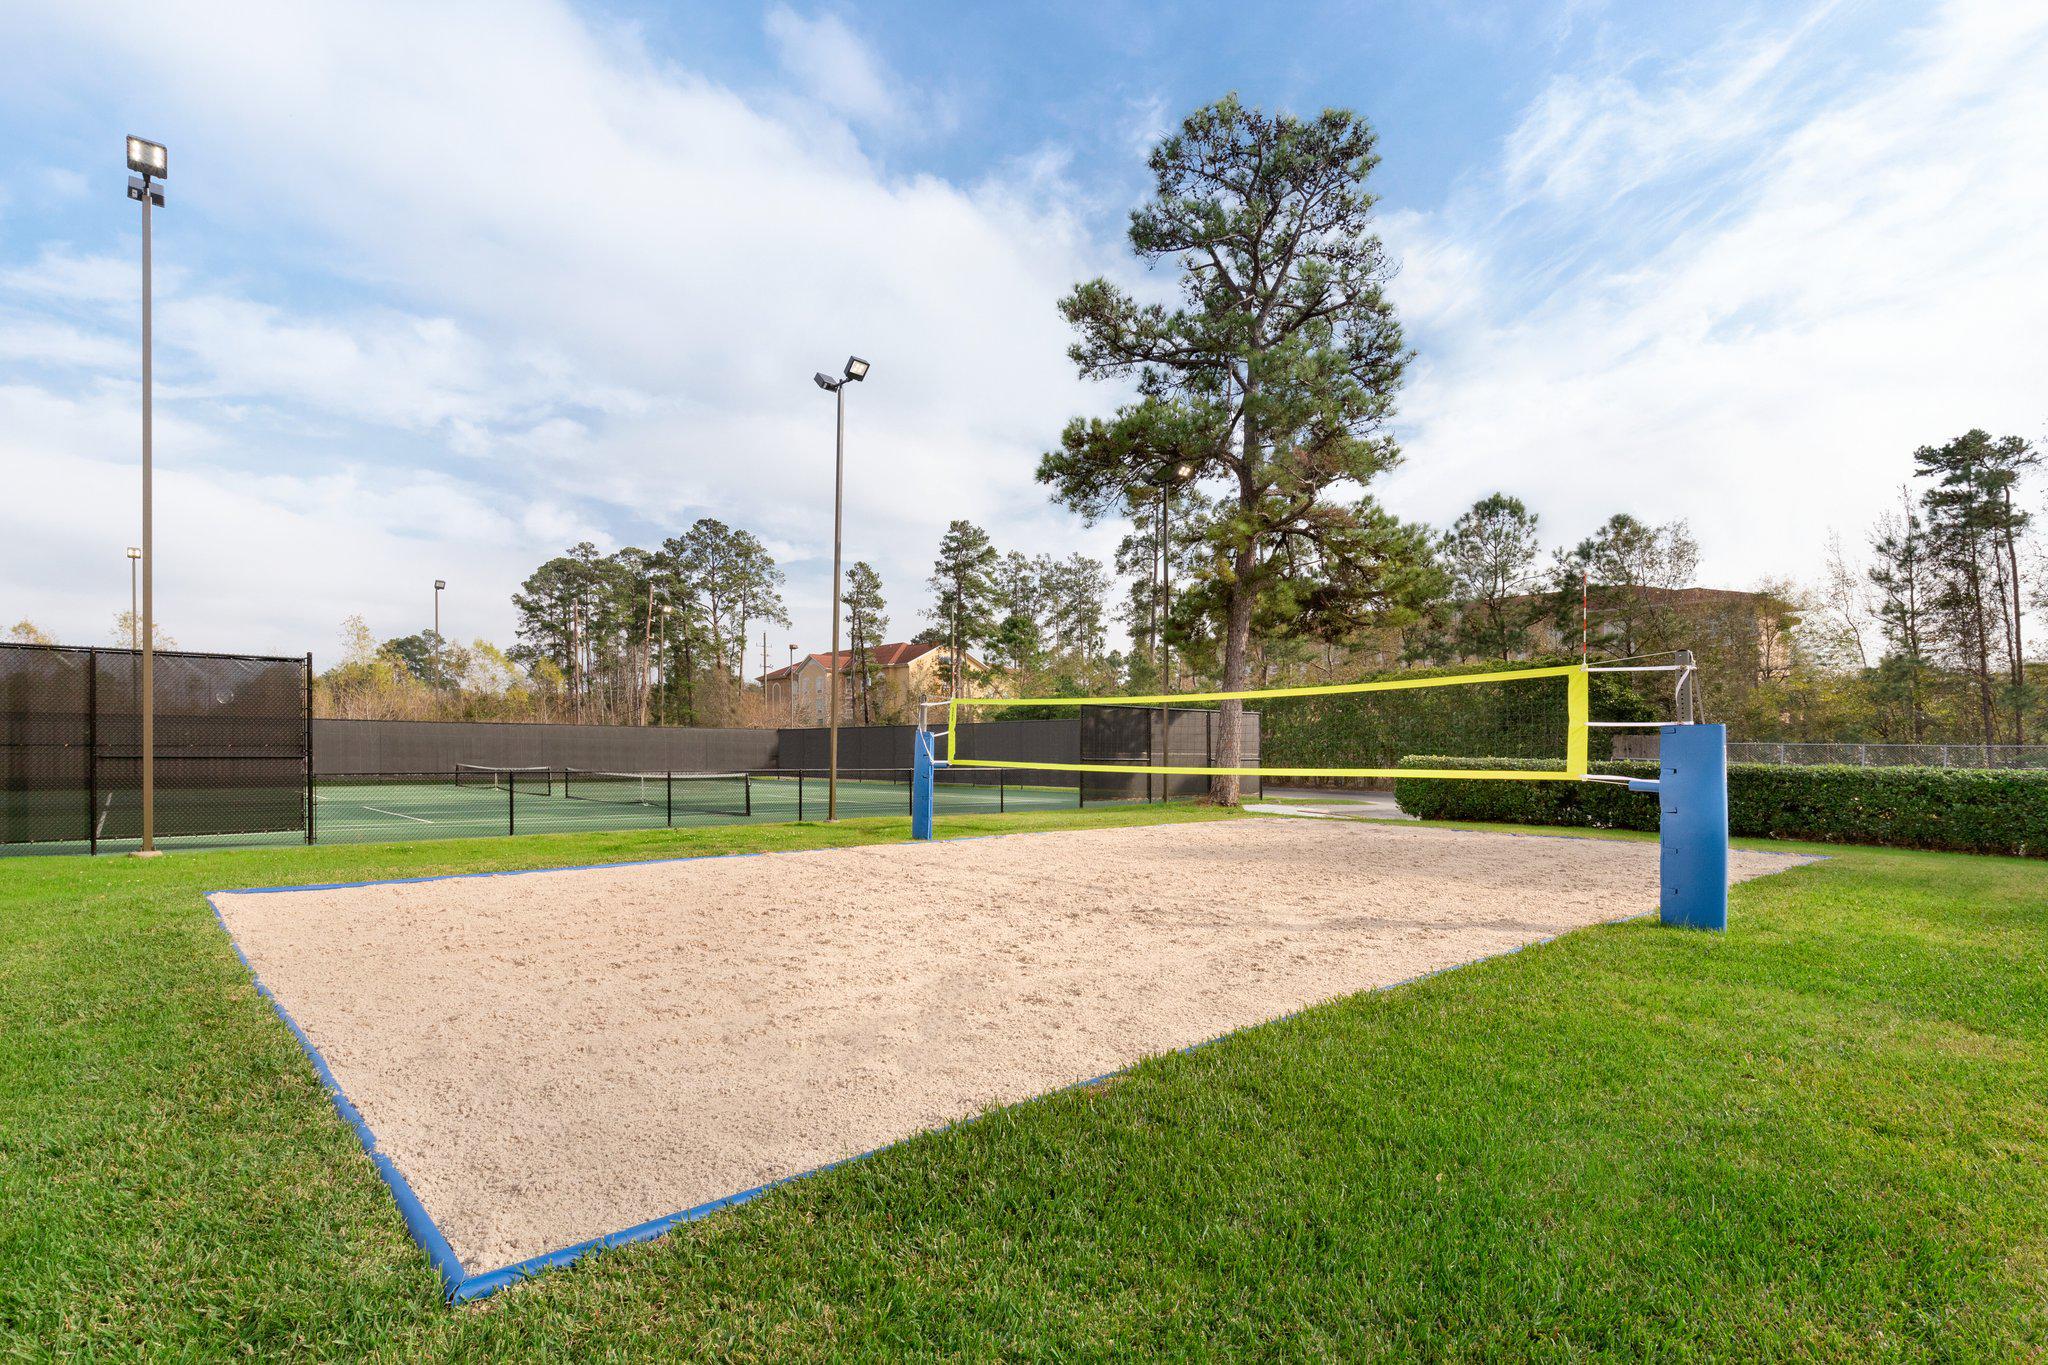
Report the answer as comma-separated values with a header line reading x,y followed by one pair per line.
x,y
461,1287
417,1220
457,1285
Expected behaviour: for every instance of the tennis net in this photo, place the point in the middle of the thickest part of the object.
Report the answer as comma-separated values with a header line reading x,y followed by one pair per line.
x,y
685,793
540,781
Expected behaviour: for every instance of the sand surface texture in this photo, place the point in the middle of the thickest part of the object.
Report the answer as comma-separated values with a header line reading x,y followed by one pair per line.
x,y
553,1056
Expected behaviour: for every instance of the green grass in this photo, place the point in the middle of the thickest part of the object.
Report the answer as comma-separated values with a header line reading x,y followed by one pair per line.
x,y
1821,1135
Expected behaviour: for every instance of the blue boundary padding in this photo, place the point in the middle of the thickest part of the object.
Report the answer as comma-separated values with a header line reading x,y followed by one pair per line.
x,y
417,1220
1693,831
922,796
460,1287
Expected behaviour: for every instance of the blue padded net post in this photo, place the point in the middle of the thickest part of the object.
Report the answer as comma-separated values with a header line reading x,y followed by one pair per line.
x,y
921,766
1693,832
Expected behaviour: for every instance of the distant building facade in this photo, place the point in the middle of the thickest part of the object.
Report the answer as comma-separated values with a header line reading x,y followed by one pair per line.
x,y
1724,621
904,675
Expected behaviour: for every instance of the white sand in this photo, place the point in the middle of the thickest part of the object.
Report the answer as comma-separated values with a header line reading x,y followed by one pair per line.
x,y
553,1056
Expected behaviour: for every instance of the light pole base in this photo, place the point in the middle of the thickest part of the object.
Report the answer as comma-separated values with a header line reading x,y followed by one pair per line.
x,y
147,853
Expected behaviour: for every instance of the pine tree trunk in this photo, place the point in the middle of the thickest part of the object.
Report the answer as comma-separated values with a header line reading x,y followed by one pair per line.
x,y
1223,789
1987,703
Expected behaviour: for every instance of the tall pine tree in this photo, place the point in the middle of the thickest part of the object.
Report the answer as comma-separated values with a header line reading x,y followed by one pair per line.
x,y
1274,376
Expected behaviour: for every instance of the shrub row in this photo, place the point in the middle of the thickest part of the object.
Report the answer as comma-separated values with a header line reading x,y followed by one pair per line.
x,y
1960,809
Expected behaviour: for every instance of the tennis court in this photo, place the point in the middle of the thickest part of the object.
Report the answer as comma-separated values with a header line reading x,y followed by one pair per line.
x,y
478,802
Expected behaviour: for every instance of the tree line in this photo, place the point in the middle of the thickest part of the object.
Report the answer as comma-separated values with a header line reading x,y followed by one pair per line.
x,y
671,636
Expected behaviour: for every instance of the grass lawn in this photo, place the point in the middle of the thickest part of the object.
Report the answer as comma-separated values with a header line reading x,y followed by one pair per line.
x,y
1824,1134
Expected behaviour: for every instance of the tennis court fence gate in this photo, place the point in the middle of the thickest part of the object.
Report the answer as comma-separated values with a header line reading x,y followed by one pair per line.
x,y
233,740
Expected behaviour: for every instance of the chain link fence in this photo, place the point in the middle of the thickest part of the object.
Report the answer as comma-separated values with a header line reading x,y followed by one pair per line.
x,y
1894,755
232,740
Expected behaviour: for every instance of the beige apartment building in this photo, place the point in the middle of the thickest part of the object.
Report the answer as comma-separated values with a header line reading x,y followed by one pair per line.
x,y
905,674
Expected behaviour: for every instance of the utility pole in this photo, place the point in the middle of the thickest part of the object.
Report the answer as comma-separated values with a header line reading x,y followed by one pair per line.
x,y
1170,477
646,648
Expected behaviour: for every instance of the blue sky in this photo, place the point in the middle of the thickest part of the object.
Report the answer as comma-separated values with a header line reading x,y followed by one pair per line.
x,y
443,289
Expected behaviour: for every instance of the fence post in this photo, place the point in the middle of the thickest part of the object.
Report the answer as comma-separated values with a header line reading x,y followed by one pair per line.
x,y
799,794
310,803
1209,743
669,792
92,750
512,804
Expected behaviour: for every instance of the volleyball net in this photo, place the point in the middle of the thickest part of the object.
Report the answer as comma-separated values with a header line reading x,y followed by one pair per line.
x,y
1510,725
1540,716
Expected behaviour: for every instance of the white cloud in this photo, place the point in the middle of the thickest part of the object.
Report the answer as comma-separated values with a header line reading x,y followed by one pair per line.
x,y
1873,279
534,286
833,66
263,562
605,284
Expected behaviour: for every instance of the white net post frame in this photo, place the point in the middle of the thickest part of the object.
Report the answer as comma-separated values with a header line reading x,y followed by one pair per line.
x,y
1691,788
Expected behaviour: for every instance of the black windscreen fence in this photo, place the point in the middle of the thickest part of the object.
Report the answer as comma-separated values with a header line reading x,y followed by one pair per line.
x,y
232,744
1156,737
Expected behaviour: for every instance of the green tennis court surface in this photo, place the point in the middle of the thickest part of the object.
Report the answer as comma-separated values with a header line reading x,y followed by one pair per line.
x,y
383,808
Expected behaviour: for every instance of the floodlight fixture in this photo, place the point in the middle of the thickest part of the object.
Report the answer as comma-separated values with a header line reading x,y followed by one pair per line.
x,y
148,158
826,382
856,368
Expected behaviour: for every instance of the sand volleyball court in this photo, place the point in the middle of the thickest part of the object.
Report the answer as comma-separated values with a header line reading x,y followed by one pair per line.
x,y
551,1057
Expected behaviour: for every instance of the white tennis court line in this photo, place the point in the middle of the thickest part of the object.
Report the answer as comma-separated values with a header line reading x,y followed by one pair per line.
x,y
417,819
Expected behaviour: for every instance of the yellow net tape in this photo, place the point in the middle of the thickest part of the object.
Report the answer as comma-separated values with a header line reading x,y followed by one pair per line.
x,y
1577,713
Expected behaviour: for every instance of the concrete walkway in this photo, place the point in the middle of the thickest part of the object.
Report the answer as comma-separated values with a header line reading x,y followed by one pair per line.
x,y
1316,804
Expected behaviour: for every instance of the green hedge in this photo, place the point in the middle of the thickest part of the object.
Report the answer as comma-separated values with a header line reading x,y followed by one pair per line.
x,y
1961,809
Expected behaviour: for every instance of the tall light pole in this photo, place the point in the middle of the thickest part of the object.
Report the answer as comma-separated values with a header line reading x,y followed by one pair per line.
x,y
856,370
791,678
134,617
439,584
149,163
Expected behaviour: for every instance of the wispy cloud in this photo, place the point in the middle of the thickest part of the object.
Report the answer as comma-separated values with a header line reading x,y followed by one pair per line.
x,y
831,64
1766,337
577,277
